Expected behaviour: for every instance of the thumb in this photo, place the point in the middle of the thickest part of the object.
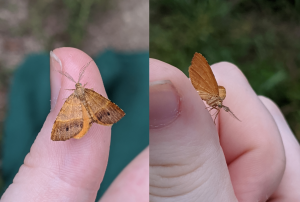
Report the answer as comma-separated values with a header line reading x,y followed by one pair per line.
x,y
186,159
71,170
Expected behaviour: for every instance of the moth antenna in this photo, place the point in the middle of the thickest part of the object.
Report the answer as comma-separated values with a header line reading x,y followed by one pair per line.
x,y
66,75
230,112
82,70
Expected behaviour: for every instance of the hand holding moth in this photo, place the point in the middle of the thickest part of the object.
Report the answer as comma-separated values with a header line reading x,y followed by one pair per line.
x,y
73,170
191,158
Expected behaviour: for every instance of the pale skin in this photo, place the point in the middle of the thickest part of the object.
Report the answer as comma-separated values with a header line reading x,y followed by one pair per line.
x,y
73,170
192,159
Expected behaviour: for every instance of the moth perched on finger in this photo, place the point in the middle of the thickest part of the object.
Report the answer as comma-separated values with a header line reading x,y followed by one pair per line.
x,y
81,109
206,85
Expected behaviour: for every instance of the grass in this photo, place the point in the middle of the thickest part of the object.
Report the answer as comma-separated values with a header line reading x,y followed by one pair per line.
x,y
73,18
260,37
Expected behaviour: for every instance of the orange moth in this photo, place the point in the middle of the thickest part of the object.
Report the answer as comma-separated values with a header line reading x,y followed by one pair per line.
x,y
81,109
205,83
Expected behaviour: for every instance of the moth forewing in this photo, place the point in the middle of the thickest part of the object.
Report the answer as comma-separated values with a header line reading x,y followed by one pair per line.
x,y
206,85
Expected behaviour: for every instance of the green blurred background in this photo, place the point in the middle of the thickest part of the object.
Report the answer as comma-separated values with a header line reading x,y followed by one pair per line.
x,y
34,27
261,37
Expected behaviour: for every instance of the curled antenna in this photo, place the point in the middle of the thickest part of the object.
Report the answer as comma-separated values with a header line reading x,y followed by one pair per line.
x,y
82,70
66,75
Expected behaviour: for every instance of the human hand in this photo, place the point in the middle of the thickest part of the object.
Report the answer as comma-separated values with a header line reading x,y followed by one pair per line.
x,y
191,159
73,170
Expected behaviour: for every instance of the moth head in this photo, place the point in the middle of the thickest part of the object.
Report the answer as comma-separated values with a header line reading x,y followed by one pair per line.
x,y
219,104
78,85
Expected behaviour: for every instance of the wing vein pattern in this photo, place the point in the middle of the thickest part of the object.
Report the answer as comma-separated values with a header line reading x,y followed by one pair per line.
x,y
69,121
202,76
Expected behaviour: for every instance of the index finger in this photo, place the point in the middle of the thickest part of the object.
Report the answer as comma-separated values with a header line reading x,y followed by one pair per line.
x,y
253,148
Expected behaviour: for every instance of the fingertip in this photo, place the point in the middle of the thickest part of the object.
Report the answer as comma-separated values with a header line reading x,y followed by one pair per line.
x,y
242,141
158,67
228,69
240,97
271,106
232,78
71,61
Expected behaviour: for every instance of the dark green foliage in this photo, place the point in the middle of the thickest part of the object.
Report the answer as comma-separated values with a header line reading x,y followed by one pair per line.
x,y
260,37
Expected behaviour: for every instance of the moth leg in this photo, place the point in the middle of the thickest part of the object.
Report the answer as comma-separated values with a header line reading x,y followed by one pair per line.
x,y
211,108
86,84
70,89
216,116
215,112
208,107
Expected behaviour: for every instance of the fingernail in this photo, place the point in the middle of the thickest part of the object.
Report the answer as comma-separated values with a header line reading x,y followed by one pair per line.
x,y
164,104
55,78
53,56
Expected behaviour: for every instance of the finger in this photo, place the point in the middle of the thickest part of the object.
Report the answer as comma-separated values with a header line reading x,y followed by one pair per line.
x,y
288,189
186,160
253,148
132,185
69,170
